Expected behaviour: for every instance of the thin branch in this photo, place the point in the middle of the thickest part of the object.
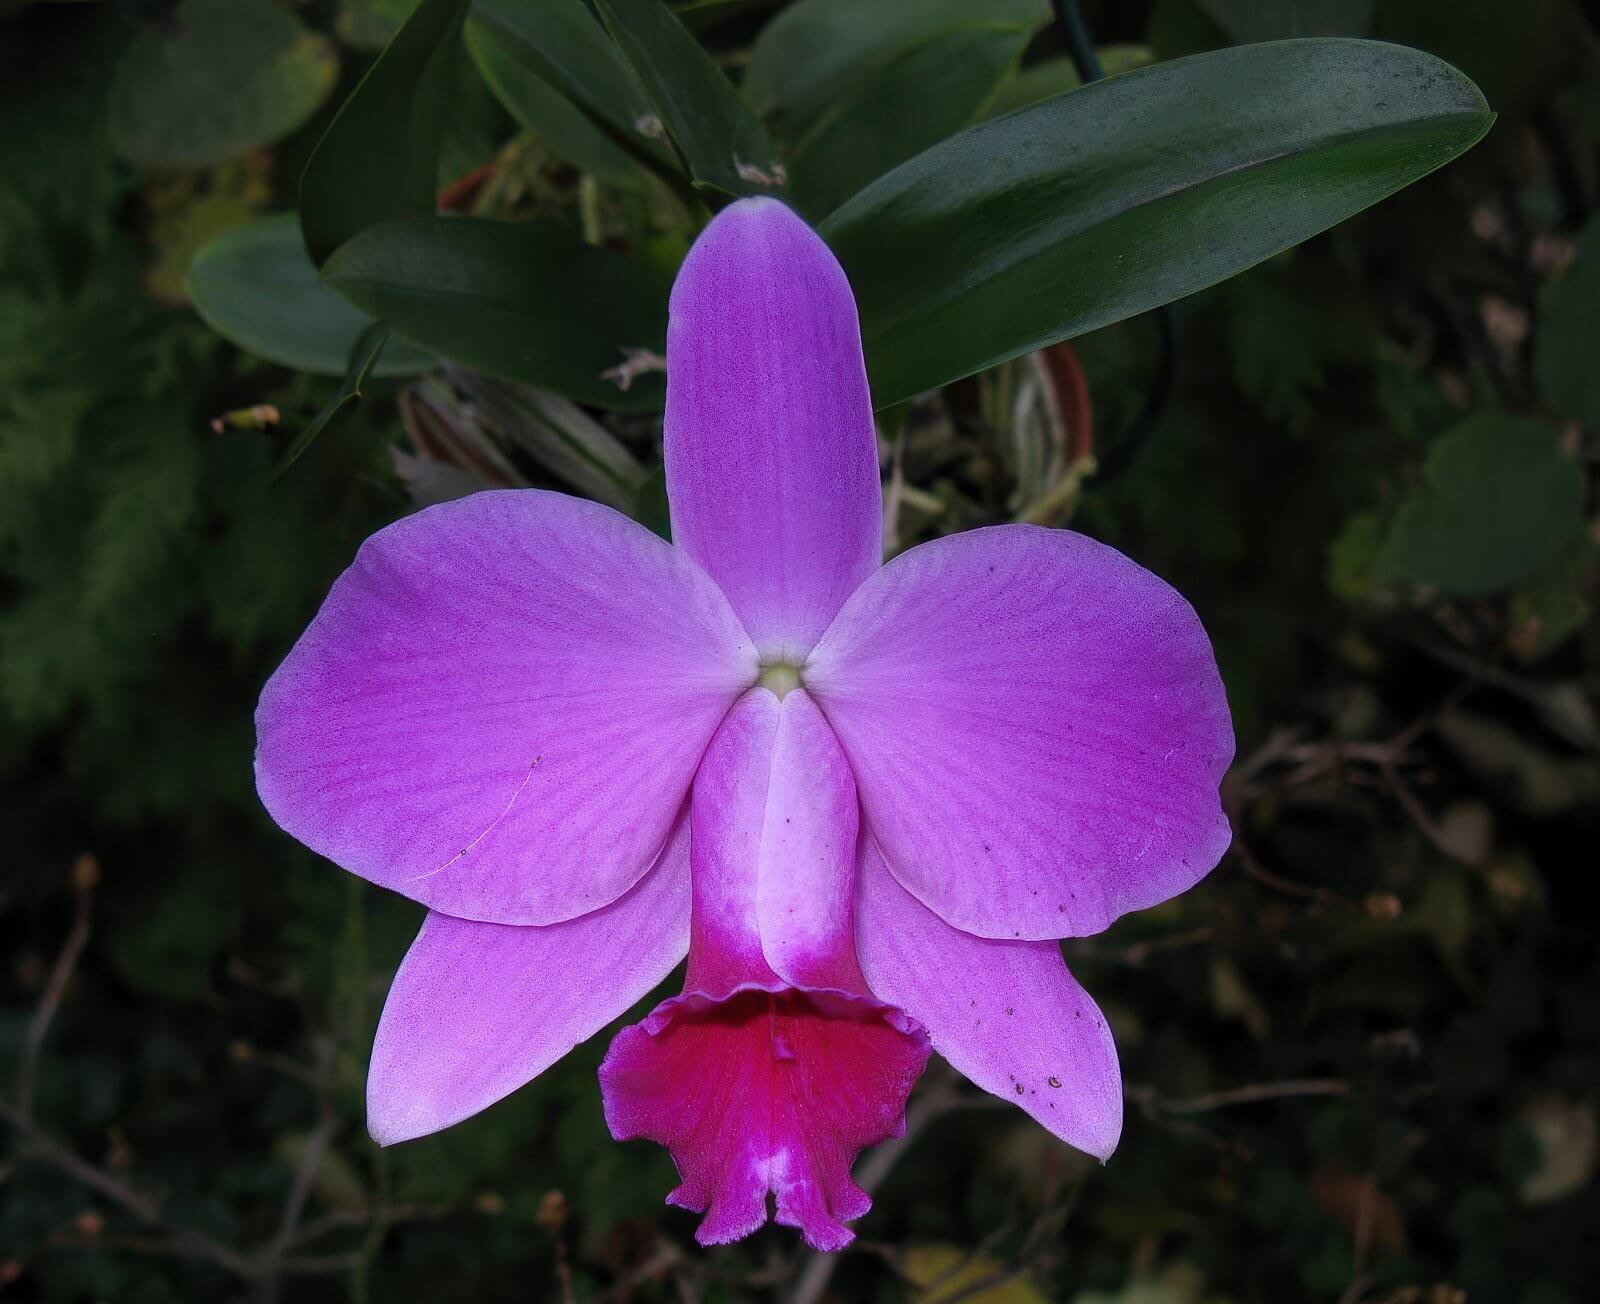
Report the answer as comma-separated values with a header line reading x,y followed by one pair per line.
x,y
85,875
1241,1095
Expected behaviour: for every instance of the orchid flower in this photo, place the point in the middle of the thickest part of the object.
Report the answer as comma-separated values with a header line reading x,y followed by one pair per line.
x,y
865,800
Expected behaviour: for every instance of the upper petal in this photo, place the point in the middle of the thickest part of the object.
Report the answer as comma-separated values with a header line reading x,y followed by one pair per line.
x,y
500,706
1037,729
772,462
477,1010
1006,1014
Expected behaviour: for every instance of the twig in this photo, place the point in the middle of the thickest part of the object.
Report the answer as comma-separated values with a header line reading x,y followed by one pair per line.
x,y
1241,1095
85,875
185,1241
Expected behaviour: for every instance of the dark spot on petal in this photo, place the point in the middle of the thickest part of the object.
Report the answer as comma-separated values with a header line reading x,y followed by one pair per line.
x,y
1009,1010
1055,1082
1019,1088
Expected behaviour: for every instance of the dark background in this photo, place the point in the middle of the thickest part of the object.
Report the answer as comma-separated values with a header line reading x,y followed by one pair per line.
x,y
1362,1058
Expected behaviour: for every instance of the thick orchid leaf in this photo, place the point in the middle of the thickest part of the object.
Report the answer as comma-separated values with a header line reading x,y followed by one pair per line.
x,y
1498,500
256,287
1135,191
379,159
518,300
930,92
817,54
363,358
545,112
545,56
218,78
723,144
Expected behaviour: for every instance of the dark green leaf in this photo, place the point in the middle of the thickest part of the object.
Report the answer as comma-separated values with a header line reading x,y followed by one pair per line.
x,y
1498,500
817,53
379,159
256,287
723,144
219,78
542,110
474,123
928,93
559,45
518,300
652,510
363,358
1569,327
1130,193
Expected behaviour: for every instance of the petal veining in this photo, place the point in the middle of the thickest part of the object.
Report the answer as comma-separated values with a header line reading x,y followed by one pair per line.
x,y
1007,1014
771,455
500,706
1037,729
477,1010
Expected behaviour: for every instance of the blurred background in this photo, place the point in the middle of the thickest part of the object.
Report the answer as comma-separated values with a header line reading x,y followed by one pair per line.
x,y
1362,1058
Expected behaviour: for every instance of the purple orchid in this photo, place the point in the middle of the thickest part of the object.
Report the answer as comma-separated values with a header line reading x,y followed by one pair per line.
x,y
864,800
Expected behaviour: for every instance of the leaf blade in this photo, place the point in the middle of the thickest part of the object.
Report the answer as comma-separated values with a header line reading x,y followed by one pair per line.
x,y
481,292
1106,201
379,158
723,144
364,355
257,288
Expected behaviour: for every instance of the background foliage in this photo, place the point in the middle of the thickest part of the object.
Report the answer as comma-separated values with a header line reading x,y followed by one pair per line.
x,y
1362,1058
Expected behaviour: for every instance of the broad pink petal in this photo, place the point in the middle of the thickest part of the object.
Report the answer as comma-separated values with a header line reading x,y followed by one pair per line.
x,y
772,462
765,1092
477,1010
1007,1014
500,706
1037,728
776,1065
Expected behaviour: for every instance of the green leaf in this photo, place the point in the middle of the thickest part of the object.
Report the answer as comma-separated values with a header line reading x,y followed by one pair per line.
x,y
379,159
652,509
1135,191
928,93
817,53
559,45
363,358
518,300
1498,500
219,78
723,144
256,287
1569,325
542,110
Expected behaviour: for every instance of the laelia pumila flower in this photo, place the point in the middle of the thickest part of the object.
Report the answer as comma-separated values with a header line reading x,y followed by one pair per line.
x,y
865,800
